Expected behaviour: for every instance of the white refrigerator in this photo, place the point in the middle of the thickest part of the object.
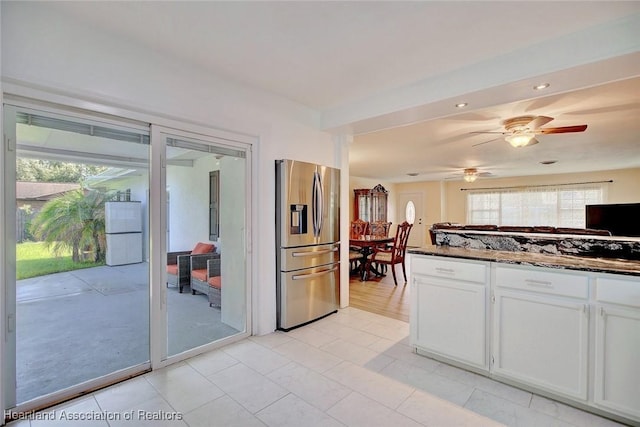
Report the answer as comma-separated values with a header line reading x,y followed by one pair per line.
x,y
123,227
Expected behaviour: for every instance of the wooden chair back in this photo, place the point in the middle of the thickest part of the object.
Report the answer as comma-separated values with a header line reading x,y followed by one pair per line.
x,y
379,228
359,228
400,243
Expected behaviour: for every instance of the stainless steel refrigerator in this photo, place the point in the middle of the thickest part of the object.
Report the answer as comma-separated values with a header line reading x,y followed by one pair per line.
x,y
307,242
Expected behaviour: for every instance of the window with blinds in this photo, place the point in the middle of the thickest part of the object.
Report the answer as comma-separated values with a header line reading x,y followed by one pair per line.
x,y
560,206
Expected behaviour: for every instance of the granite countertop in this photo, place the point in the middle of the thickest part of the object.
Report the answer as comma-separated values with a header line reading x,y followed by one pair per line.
x,y
600,265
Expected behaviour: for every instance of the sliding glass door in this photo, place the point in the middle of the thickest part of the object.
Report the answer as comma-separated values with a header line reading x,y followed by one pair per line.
x,y
125,249
205,225
77,252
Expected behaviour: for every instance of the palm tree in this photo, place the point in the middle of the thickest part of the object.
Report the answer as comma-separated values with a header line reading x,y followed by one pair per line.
x,y
74,220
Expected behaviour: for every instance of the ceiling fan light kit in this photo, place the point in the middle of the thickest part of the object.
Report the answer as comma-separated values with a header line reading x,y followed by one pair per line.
x,y
470,174
519,140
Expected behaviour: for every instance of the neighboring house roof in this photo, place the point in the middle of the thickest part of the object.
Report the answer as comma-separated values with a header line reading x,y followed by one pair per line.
x,y
42,190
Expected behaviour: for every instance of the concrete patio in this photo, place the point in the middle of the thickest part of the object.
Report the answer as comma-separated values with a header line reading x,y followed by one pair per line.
x,y
79,325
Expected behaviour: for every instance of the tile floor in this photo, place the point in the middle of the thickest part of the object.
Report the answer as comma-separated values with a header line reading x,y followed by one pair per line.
x,y
353,368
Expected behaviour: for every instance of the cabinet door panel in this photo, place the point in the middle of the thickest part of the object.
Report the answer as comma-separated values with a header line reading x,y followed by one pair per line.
x,y
451,319
542,341
617,364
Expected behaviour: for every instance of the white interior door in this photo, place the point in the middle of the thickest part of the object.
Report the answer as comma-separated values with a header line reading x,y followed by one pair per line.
x,y
416,237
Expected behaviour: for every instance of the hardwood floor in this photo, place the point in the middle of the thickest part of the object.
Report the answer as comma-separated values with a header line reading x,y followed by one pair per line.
x,y
380,296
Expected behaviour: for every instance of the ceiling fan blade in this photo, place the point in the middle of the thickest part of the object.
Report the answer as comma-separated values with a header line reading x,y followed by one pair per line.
x,y
539,121
486,142
501,133
563,129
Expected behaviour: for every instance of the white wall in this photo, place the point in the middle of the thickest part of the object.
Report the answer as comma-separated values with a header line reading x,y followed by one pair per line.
x,y
45,51
189,203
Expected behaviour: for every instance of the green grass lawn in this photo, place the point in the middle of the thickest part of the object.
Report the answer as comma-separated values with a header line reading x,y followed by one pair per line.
x,y
34,259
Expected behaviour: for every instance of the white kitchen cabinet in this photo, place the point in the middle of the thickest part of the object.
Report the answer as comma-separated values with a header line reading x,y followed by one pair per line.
x,y
617,345
542,341
448,309
541,329
570,334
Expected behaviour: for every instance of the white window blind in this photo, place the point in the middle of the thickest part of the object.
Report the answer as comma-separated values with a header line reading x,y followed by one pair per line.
x,y
561,206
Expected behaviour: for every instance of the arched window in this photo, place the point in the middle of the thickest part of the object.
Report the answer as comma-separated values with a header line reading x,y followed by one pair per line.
x,y
410,212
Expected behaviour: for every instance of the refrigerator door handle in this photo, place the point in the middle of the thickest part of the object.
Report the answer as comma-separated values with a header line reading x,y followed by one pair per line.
x,y
317,205
303,254
312,275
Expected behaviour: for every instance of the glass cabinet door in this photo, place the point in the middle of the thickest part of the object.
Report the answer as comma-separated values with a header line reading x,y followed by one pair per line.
x,y
370,204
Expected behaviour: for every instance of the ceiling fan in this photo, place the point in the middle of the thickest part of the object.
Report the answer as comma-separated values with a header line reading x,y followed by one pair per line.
x,y
471,174
521,131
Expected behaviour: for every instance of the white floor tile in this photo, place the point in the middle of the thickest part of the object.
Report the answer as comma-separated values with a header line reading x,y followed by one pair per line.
x,y
255,356
354,318
357,354
70,413
408,355
308,355
571,415
309,385
358,410
521,397
248,387
153,412
291,411
222,412
311,336
212,362
271,340
373,385
433,411
125,395
510,413
184,387
395,333
347,333
440,386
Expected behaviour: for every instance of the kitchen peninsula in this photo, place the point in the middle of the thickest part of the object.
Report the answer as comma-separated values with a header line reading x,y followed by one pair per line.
x,y
563,326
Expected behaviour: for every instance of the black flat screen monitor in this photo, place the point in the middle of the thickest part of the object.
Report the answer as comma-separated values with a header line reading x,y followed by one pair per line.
x,y
622,219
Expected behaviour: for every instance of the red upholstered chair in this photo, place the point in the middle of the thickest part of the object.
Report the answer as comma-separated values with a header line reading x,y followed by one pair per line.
x,y
179,264
208,281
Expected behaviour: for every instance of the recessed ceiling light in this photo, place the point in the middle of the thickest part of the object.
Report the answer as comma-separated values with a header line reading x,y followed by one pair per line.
x,y
548,162
541,86
461,105
413,174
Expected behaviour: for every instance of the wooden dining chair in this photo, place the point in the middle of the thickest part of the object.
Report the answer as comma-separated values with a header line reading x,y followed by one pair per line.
x,y
393,255
379,228
359,228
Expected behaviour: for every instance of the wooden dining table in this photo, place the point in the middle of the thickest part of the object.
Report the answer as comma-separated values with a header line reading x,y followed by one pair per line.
x,y
367,244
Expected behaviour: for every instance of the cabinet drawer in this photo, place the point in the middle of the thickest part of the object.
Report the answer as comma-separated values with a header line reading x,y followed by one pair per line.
x,y
458,270
618,291
546,282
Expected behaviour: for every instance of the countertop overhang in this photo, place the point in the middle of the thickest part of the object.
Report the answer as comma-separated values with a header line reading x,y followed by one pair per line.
x,y
599,265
